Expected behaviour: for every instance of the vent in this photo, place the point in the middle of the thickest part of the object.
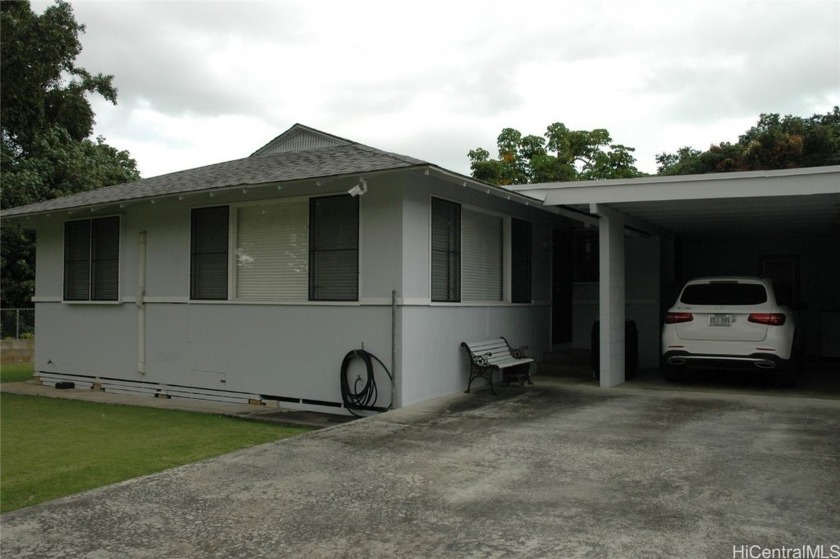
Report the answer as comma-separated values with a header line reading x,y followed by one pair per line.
x,y
301,138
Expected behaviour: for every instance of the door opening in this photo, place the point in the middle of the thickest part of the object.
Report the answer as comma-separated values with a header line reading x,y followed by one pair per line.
x,y
562,268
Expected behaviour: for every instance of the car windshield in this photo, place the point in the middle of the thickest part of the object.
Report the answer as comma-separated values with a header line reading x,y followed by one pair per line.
x,y
724,293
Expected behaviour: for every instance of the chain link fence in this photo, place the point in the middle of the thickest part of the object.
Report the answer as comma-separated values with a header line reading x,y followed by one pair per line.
x,y
17,324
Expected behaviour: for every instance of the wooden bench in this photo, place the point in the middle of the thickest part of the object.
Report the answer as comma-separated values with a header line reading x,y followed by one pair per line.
x,y
487,356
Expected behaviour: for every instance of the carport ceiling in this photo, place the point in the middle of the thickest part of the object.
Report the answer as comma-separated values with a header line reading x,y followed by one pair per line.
x,y
756,204
780,216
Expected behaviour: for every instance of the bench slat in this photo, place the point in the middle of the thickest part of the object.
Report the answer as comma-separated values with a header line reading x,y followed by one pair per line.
x,y
488,348
505,363
496,342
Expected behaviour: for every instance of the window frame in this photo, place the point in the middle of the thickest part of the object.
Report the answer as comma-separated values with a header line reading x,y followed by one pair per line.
x,y
94,282
194,296
452,253
512,256
316,241
232,248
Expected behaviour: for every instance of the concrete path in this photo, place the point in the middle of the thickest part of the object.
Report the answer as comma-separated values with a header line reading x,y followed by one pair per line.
x,y
552,470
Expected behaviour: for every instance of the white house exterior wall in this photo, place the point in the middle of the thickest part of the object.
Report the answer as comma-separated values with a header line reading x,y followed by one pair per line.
x,y
431,362
290,353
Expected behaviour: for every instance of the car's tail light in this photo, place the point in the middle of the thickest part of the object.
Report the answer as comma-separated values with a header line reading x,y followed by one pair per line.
x,y
769,318
676,317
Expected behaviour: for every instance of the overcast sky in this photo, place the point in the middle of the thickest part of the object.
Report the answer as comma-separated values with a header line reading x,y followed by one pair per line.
x,y
202,82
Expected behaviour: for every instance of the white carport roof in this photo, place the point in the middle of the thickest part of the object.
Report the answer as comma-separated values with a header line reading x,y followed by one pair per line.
x,y
790,202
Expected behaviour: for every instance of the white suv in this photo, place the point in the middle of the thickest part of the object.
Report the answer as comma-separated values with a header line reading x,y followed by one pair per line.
x,y
729,322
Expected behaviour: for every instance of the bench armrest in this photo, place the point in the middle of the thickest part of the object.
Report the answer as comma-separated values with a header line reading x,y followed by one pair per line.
x,y
519,353
482,360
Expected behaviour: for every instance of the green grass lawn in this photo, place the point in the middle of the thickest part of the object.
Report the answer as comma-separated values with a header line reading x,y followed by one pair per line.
x,y
51,447
16,372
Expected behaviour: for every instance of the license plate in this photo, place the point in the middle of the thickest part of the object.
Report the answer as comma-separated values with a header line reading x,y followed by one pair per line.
x,y
720,320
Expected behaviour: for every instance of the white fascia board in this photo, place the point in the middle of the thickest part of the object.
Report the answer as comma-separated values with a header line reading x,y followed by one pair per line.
x,y
753,184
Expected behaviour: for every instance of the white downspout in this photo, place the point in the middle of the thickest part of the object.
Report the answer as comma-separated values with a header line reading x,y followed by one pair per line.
x,y
393,346
141,305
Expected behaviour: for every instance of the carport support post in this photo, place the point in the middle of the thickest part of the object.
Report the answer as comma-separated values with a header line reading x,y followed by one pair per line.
x,y
611,297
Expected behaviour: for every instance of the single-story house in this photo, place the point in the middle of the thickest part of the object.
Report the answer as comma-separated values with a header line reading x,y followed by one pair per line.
x,y
252,280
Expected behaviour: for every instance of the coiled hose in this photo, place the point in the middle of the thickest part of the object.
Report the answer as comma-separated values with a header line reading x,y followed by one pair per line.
x,y
364,397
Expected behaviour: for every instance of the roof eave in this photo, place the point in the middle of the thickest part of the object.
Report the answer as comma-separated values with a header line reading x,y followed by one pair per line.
x,y
16,217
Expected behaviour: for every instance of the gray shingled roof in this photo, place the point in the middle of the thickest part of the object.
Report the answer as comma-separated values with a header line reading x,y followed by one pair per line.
x,y
259,169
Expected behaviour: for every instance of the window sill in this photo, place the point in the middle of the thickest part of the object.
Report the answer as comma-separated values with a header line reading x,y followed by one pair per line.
x,y
98,303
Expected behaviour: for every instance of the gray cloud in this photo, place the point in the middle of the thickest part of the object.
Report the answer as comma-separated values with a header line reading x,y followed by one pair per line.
x,y
170,54
437,80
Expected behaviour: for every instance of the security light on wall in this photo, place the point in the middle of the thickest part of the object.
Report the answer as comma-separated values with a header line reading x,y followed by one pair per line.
x,y
359,189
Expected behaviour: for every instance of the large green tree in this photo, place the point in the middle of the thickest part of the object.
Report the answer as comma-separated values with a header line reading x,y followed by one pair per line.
x,y
46,121
773,143
558,155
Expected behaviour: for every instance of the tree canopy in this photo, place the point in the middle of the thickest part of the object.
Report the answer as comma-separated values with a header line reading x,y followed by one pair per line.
x,y
46,121
559,155
773,143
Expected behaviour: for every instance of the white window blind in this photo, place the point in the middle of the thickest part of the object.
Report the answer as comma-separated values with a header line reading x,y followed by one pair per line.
x,y
482,241
272,257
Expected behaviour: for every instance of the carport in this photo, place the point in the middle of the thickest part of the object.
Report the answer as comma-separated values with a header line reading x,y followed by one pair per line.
x,y
784,224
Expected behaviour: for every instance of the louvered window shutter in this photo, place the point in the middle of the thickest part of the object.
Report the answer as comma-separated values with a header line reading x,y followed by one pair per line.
x,y
334,248
446,251
77,260
105,259
209,253
92,259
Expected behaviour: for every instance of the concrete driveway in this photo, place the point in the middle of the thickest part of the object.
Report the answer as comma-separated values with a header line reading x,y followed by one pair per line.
x,y
553,470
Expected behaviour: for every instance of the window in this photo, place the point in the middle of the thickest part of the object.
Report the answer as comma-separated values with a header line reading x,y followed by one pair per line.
x,y
724,293
482,246
334,248
469,251
209,253
271,251
520,245
446,251
290,250
92,259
